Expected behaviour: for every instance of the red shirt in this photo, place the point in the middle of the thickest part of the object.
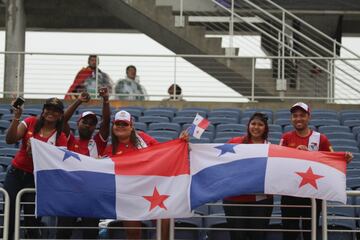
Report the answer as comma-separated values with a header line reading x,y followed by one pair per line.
x,y
125,148
22,160
293,140
82,145
245,198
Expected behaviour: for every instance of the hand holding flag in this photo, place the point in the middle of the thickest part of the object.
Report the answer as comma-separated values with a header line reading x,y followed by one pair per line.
x,y
198,126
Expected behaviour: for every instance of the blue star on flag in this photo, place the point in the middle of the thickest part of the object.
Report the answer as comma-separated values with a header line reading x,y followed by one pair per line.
x,y
69,154
226,148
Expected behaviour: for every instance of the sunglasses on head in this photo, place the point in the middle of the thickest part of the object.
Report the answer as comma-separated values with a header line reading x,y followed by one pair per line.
x,y
121,124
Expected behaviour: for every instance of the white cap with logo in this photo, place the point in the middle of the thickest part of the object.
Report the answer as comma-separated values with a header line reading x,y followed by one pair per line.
x,y
122,116
88,113
300,105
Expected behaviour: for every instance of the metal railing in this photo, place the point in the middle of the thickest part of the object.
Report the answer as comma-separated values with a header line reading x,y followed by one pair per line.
x,y
214,211
51,74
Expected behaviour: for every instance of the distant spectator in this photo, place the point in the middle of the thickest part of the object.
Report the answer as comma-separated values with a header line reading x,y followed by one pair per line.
x,y
130,86
174,88
85,80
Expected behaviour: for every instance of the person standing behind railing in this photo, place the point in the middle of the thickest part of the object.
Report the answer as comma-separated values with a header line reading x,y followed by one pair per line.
x,y
47,128
85,80
89,145
257,133
130,86
302,138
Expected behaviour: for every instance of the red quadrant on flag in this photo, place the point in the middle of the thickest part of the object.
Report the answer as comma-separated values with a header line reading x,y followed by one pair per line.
x,y
332,159
164,159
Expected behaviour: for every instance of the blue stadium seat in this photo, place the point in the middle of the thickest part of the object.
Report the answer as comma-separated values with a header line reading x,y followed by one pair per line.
x,y
275,128
172,109
9,152
225,113
159,112
221,120
355,130
4,124
132,108
163,133
352,123
3,144
191,113
5,161
353,182
73,126
353,165
282,113
244,120
275,141
340,135
345,148
282,121
324,114
201,140
4,111
141,126
237,110
153,119
324,122
197,109
350,116
229,134
344,142
32,111
231,127
163,139
165,126
333,128
182,120
275,135
221,140
351,173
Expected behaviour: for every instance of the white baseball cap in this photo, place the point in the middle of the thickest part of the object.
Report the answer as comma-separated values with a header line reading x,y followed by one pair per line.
x,y
300,105
123,116
88,113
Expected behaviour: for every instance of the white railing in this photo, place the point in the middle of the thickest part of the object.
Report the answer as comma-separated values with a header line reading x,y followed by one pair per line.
x,y
51,74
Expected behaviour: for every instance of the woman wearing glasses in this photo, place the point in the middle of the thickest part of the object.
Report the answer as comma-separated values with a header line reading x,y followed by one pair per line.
x,y
257,133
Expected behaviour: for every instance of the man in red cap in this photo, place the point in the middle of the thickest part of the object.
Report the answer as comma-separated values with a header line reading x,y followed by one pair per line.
x,y
302,138
89,145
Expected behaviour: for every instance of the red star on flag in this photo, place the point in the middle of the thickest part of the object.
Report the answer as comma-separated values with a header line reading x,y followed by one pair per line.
x,y
156,200
309,177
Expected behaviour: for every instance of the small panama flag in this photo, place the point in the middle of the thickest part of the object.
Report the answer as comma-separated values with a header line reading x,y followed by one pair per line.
x,y
198,126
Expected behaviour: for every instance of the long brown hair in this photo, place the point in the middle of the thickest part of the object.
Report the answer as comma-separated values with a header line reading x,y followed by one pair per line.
x,y
263,118
115,142
40,121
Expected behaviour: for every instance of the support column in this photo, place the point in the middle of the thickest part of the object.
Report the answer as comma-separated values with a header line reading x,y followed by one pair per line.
x,y
15,42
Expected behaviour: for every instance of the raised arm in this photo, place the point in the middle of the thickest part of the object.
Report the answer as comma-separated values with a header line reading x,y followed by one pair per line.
x,y
84,97
105,123
16,129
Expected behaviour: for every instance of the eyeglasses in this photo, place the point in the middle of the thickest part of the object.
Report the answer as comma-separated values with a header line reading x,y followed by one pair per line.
x,y
121,124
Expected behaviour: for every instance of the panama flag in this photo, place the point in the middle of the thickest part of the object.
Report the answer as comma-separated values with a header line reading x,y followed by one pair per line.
x,y
198,126
222,170
151,183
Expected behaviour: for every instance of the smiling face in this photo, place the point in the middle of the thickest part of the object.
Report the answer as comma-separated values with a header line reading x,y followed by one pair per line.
x,y
122,130
131,73
300,119
257,129
87,126
52,114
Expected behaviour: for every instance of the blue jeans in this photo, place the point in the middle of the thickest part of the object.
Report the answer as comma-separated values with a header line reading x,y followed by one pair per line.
x,y
16,180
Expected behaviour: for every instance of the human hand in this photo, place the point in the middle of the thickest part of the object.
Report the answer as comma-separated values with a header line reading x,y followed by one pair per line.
x,y
104,93
302,147
184,135
16,111
84,97
348,157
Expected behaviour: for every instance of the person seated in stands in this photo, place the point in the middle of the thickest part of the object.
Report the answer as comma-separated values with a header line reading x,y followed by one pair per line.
x,y
130,87
47,128
174,92
87,144
257,133
85,80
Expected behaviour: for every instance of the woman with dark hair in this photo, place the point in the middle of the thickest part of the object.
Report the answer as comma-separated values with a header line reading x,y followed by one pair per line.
x,y
47,128
125,139
257,133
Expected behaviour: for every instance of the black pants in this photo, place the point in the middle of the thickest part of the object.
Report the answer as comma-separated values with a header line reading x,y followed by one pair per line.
x,y
88,233
304,212
16,180
246,222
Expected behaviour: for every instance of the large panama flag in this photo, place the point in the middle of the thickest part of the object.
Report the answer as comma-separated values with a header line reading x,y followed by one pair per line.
x,y
147,184
221,170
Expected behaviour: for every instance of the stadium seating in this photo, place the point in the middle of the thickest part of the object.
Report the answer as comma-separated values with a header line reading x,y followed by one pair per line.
x,y
160,112
344,148
324,122
191,113
222,120
165,126
141,126
231,127
340,135
225,113
228,134
275,128
182,120
153,119
4,124
163,133
8,152
333,128
352,123
201,140
324,114
282,121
